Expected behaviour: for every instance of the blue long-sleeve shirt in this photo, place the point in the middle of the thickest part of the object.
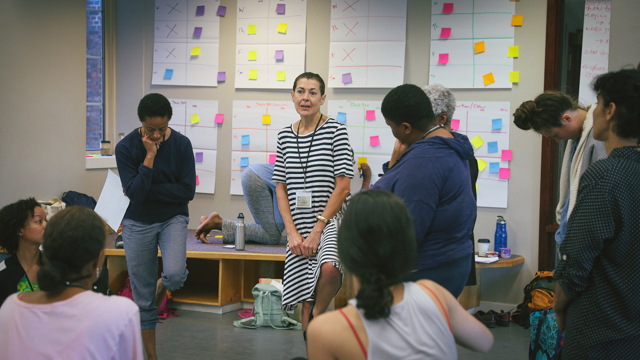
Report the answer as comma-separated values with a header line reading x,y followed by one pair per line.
x,y
157,194
432,178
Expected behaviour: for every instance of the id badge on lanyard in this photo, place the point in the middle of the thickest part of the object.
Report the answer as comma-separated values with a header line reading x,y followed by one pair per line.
x,y
303,199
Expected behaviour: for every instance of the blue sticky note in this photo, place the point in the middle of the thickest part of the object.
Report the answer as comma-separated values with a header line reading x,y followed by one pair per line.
x,y
342,117
244,162
496,124
492,146
494,168
168,74
245,140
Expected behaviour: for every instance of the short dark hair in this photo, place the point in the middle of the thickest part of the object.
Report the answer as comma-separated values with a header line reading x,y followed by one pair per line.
x,y
623,89
154,105
544,112
13,218
376,243
408,103
74,237
310,76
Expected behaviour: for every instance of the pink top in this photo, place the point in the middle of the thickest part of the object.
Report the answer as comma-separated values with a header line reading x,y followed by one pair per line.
x,y
87,326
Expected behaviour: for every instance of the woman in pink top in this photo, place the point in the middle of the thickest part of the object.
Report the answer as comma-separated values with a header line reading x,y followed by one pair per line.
x,y
65,319
390,319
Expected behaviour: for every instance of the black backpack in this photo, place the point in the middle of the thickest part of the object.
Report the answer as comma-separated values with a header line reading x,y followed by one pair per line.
x,y
75,198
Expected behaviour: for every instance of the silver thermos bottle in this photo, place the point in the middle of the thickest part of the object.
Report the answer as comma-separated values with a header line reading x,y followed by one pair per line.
x,y
240,231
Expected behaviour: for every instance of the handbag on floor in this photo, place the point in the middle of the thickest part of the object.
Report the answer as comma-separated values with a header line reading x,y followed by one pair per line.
x,y
267,310
546,338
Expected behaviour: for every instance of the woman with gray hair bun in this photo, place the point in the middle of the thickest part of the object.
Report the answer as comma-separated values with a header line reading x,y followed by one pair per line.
x,y
443,103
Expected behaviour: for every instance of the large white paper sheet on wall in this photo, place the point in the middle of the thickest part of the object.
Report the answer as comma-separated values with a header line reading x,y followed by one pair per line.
x,y
203,135
260,139
595,47
175,37
258,34
470,22
367,43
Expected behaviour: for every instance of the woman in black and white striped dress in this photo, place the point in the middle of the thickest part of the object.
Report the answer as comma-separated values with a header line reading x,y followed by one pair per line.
x,y
312,171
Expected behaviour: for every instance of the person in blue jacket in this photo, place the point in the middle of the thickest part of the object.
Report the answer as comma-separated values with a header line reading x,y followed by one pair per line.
x,y
431,175
158,174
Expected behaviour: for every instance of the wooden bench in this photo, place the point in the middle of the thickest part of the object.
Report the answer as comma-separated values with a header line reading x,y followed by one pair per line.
x,y
470,297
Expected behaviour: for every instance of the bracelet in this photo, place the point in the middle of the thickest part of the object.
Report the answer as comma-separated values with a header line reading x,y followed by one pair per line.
x,y
322,218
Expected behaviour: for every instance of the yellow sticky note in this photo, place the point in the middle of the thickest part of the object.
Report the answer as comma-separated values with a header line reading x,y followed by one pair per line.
x,y
481,164
253,55
514,51
282,28
479,46
253,74
516,20
476,188
251,30
266,119
477,141
514,76
195,119
281,76
195,51
361,160
488,79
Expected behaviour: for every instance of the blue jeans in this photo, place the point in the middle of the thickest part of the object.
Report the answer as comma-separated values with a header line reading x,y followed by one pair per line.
x,y
451,275
141,243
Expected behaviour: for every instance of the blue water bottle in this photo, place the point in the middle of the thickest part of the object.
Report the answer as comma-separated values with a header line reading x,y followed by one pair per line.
x,y
500,239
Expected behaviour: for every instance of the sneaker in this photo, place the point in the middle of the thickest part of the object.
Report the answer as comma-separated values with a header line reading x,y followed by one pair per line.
x,y
485,318
502,318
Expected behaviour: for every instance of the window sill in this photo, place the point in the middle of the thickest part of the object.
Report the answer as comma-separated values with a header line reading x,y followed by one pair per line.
x,y
101,162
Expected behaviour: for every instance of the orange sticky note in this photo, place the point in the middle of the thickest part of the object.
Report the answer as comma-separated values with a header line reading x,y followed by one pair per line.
x,y
488,79
479,46
266,119
516,20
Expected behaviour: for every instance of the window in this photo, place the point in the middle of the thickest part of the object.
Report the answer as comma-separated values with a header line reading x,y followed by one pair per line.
x,y
95,74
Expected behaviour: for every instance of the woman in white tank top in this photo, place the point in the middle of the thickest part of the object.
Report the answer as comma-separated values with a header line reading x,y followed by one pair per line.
x,y
390,319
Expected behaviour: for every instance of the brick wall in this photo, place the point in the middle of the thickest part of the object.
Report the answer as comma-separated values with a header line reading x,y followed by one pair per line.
x,y
94,75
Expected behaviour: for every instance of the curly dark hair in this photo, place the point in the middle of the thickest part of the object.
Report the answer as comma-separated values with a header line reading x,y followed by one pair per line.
x,y
623,89
13,218
409,103
154,105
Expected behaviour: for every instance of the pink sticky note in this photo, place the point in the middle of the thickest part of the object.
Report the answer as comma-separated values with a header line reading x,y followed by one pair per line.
x,y
505,173
219,118
272,158
455,124
445,33
447,8
197,180
444,58
370,115
506,155
374,140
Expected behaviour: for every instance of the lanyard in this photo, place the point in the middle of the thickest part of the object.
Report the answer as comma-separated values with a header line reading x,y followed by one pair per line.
x,y
432,130
306,165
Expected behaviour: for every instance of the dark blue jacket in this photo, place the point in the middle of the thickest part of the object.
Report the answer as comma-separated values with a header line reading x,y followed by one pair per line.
x,y
432,178
163,192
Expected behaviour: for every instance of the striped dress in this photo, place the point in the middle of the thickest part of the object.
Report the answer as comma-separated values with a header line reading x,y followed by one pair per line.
x,y
330,157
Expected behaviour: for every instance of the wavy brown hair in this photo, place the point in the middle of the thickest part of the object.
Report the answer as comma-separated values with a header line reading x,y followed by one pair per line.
x,y
544,112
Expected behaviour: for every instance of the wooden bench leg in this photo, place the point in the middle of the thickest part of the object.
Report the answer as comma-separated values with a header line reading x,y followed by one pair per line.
x,y
470,297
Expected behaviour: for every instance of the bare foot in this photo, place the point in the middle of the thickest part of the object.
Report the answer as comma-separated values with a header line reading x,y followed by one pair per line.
x,y
203,219
213,222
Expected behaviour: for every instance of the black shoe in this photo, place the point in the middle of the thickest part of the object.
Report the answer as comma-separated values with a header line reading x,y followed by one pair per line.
x,y
502,318
485,318
119,242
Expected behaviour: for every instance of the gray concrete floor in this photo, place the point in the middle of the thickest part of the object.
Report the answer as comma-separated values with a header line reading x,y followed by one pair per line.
x,y
198,335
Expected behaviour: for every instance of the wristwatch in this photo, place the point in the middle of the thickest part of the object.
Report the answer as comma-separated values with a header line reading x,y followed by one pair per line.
x,y
322,218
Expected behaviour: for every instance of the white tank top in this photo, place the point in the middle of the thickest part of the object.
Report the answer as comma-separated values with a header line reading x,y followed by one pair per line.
x,y
415,329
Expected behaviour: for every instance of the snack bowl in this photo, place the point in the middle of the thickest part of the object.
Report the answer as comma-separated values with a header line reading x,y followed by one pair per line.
x,y
492,254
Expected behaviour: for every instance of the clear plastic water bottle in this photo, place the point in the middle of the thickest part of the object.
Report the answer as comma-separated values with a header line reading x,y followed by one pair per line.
x,y
500,239
240,231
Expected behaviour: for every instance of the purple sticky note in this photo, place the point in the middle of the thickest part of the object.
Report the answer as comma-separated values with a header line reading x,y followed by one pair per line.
x,y
197,32
272,158
506,155
455,124
219,118
370,115
222,10
505,173
279,55
222,76
374,140
280,9
346,78
199,156
444,58
200,10
447,8
445,33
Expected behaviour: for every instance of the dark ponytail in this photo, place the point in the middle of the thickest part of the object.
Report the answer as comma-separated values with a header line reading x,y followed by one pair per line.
x,y
376,243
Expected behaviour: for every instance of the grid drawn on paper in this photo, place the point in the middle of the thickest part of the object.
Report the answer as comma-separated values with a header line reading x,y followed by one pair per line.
x,y
470,22
368,40
203,136
267,40
174,40
361,130
263,138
